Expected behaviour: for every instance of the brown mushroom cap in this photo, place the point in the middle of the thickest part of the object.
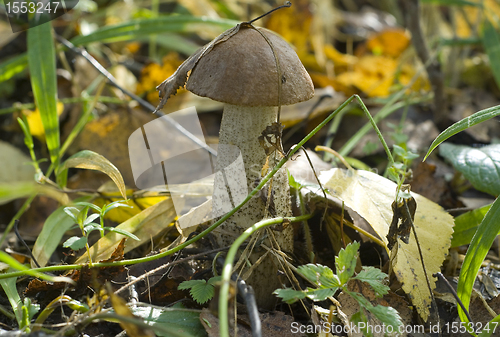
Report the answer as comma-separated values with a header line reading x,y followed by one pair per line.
x,y
242,71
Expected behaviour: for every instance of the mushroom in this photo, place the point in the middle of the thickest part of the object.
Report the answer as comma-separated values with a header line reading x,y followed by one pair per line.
x,y
239,69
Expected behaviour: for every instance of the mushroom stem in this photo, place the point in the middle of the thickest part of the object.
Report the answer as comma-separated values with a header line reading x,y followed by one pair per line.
x,y
240,129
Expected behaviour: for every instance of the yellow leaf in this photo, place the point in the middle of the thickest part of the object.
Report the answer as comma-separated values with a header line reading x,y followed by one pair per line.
x,y
153,73
390,42
35,121
371,196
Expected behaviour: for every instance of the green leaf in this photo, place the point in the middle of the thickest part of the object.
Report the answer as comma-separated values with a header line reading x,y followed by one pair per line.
x,y
200,290
10,289
289,295
479,247
491,327
42,66
75,242
90,218
135,29
320,294
13,66
122,232
466,226
93,161
481,166
319,275
375,278
345,262
52,232
463,124
491,43
172,321
387,315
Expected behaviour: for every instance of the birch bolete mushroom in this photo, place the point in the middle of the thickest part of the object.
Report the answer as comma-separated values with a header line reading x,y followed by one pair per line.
x,y
239,68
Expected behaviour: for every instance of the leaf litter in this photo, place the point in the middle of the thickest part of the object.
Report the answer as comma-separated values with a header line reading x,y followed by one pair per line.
x,y
371,196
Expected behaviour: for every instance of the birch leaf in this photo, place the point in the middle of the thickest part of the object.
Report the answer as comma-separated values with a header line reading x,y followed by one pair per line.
x,y
371,196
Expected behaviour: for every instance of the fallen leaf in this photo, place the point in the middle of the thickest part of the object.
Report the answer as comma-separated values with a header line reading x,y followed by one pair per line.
x,y
371,196
390,42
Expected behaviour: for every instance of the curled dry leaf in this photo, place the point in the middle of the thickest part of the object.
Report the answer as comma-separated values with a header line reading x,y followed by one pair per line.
x,y
93,161
371,196
170,86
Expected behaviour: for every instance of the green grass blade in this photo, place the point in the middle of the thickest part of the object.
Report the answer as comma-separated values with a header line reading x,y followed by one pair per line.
x,y
13,66
463,124
491,328
135,29
42,65
479,247
491,43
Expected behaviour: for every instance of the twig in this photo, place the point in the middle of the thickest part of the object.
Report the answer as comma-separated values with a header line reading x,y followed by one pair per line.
x,y
139,100
454,293
412,10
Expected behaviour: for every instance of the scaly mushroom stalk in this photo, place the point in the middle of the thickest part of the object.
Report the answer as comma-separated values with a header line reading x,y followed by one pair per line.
x,y
241,127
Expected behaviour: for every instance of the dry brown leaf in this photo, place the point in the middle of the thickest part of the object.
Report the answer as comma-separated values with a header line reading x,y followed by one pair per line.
x,y
371,196
170,86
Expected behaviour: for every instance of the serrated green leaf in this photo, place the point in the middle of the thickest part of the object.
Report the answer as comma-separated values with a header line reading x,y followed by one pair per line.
x,y
200,290
479,247
289,295
375,278
319,275
345,262
387,315
320,294
75,242
189,284
42,66
463,124
466,226
481,166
